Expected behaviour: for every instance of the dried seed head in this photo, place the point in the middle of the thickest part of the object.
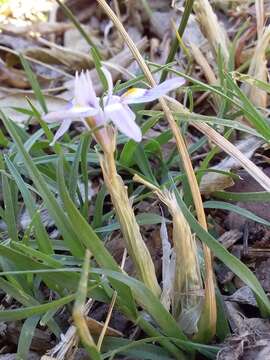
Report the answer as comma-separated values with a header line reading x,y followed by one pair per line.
x,y
258,70
211,28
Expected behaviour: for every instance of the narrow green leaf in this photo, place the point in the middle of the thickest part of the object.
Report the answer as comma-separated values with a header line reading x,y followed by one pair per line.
x,y
26,337
92,242
54,208
10,216
143,163
78,312
234,264
34,83
41,234
260,196
23,313
84,170
74,173
98,212
237,209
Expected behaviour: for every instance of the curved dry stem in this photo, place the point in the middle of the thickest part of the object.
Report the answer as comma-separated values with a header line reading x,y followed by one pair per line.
x,y
209,314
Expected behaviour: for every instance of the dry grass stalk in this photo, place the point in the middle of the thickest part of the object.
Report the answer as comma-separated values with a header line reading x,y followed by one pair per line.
x,y
136,247
259,6
203,63
258,69
78,312
210,299
212,28
186,288
207,70
228,147
167,267
232,150
214,181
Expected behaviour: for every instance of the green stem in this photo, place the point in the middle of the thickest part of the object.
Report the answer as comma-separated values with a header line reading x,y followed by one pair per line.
x,y
77,24
181,29
172,348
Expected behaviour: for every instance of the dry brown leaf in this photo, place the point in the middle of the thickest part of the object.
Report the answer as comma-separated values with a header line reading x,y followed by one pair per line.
x,y
13,77
212,181
96,327
43,28
19,101
212,28
258,70
71,59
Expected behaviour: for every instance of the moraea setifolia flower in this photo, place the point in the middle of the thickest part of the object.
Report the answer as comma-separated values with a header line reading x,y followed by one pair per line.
x,y
117,110
84,104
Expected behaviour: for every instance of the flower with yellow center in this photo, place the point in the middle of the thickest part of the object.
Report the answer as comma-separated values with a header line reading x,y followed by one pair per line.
x,y
86,104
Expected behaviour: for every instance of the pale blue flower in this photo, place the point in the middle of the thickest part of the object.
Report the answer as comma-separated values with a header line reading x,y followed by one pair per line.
x,y
84,103
115,108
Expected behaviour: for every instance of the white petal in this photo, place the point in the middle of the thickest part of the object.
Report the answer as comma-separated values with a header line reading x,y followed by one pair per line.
x,y
124,120
93,99
77,88
56,116
82,111
81,91
62,130
72,113
136,96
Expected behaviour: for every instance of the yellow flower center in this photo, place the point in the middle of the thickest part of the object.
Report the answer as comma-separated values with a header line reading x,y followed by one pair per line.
x,y
131,91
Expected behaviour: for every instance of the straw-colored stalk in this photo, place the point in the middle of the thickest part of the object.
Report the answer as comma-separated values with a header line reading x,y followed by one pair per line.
x,y
211,28
226,146
136,247
135,244
259,6
79,309
258,70
210,312
187,288
186,292
207,70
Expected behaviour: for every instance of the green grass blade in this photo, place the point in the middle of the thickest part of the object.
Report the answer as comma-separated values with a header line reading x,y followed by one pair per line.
x,y
10,216
78,312
25,299
98,212
54,208
143,164
84,169
41,234
260,196
34,83
234,264
23,313
181,29
78,26
236,209
92,242
26,337
74,173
